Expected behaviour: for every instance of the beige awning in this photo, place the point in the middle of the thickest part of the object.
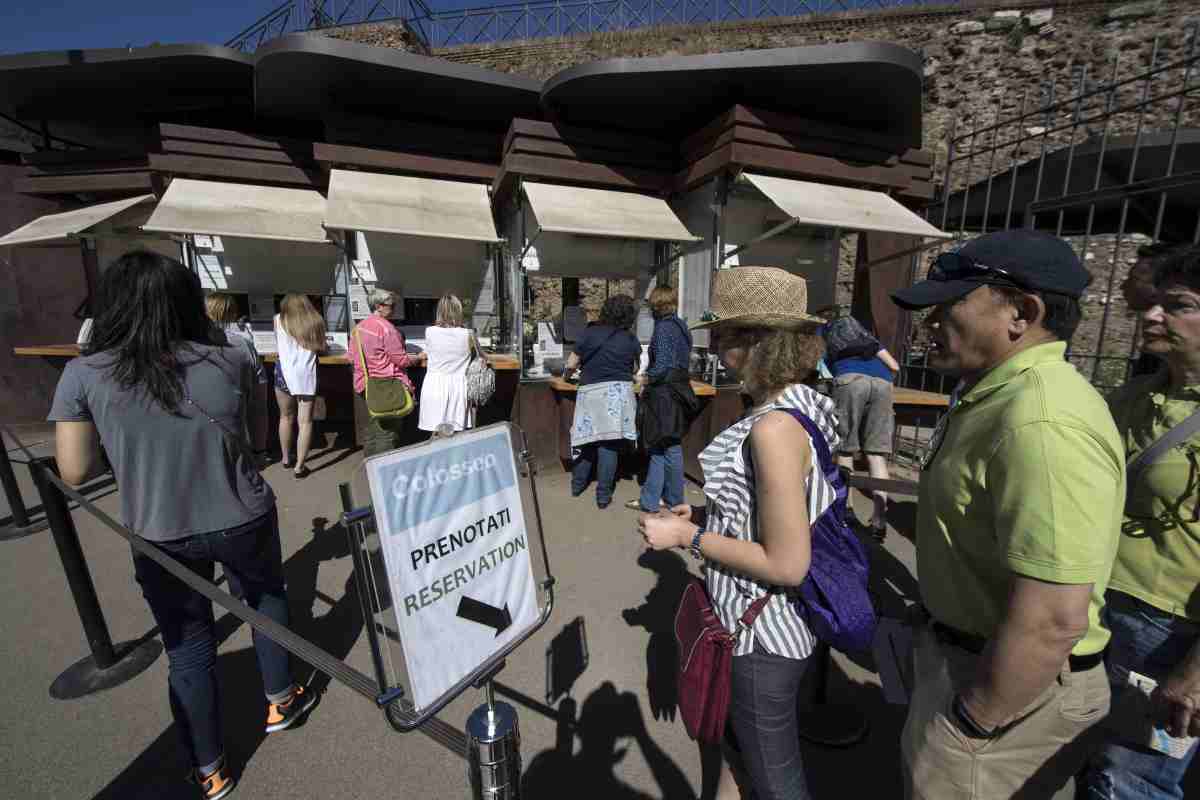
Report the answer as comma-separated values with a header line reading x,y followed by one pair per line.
x,y
841,207
409,206
238,209
601,212
68,224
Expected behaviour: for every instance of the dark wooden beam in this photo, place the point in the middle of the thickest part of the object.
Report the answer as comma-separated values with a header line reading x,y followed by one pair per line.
x,y
60,158
94,168
167,130
820,168
409,163
419,137
105,183
557,149
792,142
185,147
611,140
788,123
697,173
558,170
231,169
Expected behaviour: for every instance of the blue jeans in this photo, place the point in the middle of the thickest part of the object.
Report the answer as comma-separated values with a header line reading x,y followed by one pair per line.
x,y
1151,642
664,477
603,457
250,555
762,716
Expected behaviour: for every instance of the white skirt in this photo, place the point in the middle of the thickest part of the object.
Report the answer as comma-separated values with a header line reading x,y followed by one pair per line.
x,y
444,399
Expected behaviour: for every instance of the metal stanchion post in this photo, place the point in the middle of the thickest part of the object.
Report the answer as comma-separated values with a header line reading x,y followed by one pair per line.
x,y
12,492
107,666
494,750
822,722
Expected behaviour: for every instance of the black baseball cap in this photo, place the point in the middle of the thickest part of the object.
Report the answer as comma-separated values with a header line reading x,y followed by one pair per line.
x,y
1025,259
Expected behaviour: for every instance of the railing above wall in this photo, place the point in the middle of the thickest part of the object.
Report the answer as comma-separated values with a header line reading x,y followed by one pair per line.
x,y
536,20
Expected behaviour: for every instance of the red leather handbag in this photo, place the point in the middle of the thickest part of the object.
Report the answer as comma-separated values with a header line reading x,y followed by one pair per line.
x,y
706,661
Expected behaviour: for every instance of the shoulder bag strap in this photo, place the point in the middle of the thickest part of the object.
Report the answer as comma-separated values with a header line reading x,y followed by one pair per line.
x,y
1158,448
756,608
362,357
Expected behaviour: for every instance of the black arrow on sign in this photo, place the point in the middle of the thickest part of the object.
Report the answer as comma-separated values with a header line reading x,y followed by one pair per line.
x,y
484,614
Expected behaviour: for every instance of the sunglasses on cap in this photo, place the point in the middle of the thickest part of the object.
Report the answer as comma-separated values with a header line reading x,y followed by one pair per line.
x,y
960,267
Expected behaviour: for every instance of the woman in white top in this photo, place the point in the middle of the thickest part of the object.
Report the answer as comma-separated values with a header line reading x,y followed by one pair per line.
x,y
299,336
448,346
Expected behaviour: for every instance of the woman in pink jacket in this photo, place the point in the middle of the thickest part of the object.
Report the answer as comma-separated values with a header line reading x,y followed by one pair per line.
x,y
386,357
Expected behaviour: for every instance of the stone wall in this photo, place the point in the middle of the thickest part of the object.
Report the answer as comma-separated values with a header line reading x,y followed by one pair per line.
x,y
981,58
984,62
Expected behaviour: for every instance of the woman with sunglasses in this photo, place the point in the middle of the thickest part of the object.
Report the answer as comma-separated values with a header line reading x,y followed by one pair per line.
x,y
383,349
763,486
1153,599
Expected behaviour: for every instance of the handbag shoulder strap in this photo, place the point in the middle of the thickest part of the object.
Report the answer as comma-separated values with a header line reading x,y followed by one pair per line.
x,y
1178,434
362,353
362,357
756,608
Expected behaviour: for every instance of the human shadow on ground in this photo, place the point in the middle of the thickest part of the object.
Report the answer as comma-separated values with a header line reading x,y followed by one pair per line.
x,y
160,769
657,616
608,724
902,515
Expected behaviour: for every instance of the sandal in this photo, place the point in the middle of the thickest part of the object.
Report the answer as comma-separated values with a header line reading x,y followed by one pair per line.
x,y
301,472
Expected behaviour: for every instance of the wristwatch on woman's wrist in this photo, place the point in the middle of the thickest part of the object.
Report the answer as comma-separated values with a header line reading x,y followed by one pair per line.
x,y
695,548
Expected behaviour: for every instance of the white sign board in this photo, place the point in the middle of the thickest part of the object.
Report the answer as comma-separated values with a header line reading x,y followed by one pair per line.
x,y
456,549
212,273
530,260
358,302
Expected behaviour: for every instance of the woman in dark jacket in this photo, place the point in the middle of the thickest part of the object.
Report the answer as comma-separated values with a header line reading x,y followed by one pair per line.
x,y
667,404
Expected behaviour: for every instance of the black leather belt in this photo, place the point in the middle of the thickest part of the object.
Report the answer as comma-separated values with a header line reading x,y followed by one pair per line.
x,y
975,644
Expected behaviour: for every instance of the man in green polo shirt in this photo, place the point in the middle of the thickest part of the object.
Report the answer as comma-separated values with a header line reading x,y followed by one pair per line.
x,y
1017,525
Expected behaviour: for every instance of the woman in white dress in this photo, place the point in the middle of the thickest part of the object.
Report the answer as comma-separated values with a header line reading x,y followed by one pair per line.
x,y
448,346
299,337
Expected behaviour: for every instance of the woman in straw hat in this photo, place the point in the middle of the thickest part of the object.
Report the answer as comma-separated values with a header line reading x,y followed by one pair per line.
x,y
753,534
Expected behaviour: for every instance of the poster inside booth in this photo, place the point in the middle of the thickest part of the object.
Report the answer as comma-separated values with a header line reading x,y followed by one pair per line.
x,y
456,548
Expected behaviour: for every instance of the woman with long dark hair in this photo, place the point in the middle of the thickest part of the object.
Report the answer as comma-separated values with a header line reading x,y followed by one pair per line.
x,y
164,393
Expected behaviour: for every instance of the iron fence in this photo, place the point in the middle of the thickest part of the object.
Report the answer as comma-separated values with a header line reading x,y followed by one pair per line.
x,y
536,20
1112,164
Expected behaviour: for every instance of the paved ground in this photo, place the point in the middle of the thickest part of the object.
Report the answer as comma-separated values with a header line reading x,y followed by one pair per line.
x,y
611,737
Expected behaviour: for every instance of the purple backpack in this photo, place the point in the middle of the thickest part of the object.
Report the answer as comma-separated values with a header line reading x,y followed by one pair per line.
x,y
834,600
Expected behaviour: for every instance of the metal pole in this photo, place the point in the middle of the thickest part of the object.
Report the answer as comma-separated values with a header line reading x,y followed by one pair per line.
x,y
79,578
494,750
12,491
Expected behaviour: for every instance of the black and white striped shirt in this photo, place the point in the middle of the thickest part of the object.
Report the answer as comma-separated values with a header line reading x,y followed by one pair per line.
x,y
729,487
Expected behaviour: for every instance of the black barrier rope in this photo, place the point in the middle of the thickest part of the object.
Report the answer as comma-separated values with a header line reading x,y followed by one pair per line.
x,y
437,730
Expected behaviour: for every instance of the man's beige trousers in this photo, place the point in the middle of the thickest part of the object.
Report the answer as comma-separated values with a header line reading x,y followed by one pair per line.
x,y
1035,759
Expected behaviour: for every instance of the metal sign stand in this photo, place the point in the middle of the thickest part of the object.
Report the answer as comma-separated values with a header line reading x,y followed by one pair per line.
x,y
493,747
493,739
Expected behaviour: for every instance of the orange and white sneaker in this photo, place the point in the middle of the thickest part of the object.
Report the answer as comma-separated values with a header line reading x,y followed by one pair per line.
x,y
281,716
216,785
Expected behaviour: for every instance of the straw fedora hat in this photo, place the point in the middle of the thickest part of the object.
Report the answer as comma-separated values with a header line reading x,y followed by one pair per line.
x,y
766,297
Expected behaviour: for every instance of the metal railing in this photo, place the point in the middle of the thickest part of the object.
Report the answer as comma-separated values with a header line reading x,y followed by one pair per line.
x,y
1115,141
536,20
